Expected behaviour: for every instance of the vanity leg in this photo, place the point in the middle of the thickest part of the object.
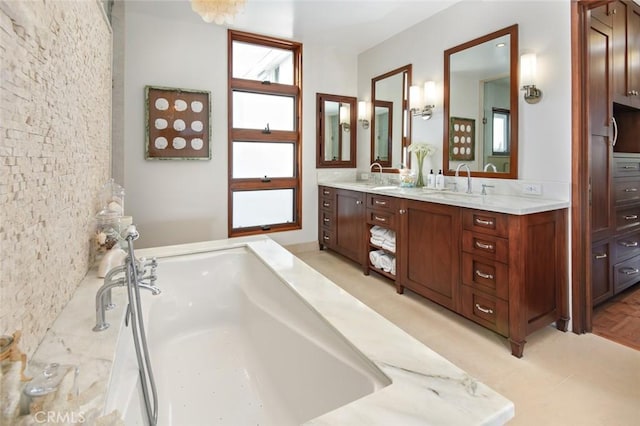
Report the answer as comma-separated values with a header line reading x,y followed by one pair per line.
x,y
517,348
399,288
562,324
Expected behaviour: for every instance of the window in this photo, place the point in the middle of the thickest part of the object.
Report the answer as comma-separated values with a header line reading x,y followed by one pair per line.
x,y
500,131
265,105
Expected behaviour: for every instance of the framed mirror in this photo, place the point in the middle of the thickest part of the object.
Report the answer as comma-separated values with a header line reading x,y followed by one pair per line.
x,y
481,105
390,123
335,130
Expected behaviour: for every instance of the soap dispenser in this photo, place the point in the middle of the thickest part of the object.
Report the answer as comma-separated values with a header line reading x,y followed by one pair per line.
x,y
440,180
431,180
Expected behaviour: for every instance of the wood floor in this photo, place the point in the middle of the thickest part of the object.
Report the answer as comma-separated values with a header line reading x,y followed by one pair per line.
x,y
619,318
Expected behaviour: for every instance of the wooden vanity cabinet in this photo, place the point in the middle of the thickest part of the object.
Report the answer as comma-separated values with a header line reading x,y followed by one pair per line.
x,y
341,219
505,272
430,244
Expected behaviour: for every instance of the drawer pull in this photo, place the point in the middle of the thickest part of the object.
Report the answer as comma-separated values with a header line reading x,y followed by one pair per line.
x,y
629,271
631,217
326,192
628,167
601,256
326,204
485,310
380,219
326,220
631,190
326,238
484,246
483,275
629,244
484,222
380,203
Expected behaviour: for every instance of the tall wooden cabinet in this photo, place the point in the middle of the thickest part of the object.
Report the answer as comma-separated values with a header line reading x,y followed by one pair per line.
x,y
614,108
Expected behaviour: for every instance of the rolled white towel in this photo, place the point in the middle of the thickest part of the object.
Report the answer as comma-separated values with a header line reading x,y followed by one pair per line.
x,y
386,262
378,231
374,257
390,236
377,240
393,266
389,245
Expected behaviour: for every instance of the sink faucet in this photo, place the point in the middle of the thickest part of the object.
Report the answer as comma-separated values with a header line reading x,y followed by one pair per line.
x,y
468,175
379,180
103,296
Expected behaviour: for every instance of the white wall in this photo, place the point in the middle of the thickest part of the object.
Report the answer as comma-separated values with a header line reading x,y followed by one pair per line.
x,y
544,28
166,44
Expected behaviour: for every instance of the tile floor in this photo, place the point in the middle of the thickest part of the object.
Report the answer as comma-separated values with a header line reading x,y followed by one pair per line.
x,y
563,378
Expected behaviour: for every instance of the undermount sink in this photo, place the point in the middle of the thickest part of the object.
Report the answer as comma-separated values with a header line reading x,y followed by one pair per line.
x,y
385,188
461,196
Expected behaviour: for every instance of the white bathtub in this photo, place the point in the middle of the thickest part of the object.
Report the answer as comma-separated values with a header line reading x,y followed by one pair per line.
x,y
232,343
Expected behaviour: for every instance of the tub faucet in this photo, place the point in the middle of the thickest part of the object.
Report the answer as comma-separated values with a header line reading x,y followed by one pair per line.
x,y
146,272
468,175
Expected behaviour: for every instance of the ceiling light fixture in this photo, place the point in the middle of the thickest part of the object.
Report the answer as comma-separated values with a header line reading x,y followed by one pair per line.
x,y
218,11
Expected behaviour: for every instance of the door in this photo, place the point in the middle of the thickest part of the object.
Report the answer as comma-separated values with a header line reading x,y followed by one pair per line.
x,y
350,225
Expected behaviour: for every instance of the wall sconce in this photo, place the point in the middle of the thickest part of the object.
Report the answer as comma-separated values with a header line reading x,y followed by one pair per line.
x,y
532,95
416,100
344,118
363,114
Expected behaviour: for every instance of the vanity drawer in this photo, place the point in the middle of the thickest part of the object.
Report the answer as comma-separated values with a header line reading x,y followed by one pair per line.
x,y
327,237
488,246
627,246
380,202
487,275
383,218
627,217
485,222
488,311
626,190
625,274
325,191
626,166
327,219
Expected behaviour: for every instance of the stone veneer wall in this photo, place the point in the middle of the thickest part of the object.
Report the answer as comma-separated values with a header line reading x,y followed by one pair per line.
x,y
55,124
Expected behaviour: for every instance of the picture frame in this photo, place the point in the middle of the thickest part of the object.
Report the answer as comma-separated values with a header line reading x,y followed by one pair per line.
x,y
462,139
177,124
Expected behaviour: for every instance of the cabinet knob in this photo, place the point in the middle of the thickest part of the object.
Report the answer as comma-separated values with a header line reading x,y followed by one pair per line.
x,y
402,211
358,202
326,238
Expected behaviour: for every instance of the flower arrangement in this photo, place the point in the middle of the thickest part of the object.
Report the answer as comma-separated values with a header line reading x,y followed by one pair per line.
x,y
421,150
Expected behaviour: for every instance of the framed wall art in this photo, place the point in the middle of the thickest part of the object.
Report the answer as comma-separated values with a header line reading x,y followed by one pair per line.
x,y
462,139
177,122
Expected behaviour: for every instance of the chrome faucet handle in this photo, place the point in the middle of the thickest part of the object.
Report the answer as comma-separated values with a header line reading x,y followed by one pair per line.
x,y
484,188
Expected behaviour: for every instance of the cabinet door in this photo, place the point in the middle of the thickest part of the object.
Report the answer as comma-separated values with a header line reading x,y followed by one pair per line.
x,y
600,109
601,282
633,54
350,224
430,261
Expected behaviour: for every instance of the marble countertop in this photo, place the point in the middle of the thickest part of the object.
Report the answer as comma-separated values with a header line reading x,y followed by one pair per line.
x,y
425,388
510,204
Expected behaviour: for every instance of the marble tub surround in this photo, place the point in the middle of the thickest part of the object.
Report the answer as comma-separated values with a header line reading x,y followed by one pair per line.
x,y
425,388
510,204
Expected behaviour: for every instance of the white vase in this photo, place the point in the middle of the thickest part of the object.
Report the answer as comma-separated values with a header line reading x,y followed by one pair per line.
x,y
111,259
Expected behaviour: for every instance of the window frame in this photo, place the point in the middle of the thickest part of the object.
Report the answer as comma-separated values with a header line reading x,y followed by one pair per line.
x,y
257,135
